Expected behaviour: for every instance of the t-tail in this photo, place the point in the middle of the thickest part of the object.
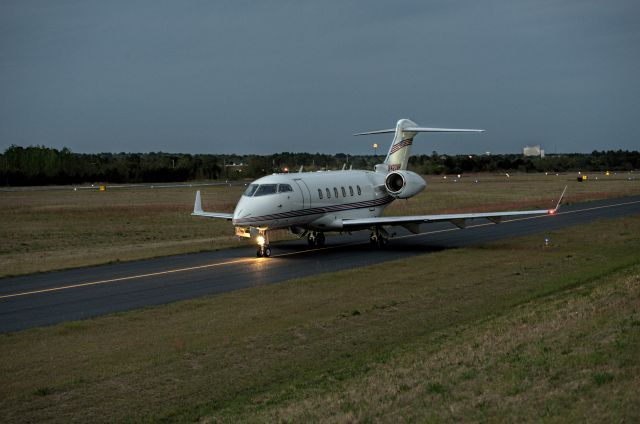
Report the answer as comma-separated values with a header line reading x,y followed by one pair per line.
x,y
400,149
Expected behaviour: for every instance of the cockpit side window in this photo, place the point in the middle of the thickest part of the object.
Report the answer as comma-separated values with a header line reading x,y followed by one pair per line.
x,y
250,190
283,188
265,189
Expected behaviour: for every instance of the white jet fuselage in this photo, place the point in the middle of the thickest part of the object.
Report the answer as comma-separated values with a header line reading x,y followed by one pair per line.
x,y
313,203
317,201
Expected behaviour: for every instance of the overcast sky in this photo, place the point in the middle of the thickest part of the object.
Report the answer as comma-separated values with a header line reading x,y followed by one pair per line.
x,y
270,76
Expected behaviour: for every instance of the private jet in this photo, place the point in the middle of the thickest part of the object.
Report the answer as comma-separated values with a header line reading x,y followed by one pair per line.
x,y
310,204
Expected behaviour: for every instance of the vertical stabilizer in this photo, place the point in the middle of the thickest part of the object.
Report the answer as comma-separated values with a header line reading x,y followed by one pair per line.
x,y
400,149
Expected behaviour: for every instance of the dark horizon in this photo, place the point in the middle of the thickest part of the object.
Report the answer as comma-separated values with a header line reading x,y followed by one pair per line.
x,y
381,152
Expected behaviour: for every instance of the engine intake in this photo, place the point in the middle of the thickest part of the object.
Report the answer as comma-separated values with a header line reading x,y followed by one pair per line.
x,y
404,184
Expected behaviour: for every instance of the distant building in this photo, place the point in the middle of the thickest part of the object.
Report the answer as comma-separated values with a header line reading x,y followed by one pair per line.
x,y
533,151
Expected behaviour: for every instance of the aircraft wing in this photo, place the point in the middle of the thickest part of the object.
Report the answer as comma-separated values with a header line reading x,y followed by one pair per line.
x,y
412,223
197,210
458,219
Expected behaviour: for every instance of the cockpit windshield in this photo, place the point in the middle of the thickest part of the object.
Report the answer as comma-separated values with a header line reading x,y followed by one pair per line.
x,y
264,189
250,190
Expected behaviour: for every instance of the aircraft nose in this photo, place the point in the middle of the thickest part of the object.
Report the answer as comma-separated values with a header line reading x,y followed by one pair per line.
x,y
237,214
241,211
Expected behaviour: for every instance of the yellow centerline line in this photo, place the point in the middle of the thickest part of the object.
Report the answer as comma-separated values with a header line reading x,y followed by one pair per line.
x,y
241,260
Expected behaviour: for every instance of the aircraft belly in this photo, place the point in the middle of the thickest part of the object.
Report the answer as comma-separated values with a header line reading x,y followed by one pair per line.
x,y
326,222
333,221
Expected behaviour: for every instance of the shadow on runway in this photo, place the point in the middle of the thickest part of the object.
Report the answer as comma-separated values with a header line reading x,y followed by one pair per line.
x,y
293,251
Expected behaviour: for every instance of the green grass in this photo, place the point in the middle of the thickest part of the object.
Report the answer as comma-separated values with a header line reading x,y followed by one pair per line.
x,y
58,229
507,331
567,357
47,230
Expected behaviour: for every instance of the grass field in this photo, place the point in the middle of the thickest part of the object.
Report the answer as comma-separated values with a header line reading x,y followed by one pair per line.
x,y
48,230
515,331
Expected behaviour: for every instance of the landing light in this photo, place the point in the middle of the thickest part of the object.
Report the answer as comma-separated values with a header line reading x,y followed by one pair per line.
x,y
260,240
551,212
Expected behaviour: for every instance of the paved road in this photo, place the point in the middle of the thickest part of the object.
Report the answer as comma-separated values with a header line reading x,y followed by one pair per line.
x,y
49,298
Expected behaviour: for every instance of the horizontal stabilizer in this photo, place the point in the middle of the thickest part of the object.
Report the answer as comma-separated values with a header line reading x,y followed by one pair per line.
x,y
391,130
420,129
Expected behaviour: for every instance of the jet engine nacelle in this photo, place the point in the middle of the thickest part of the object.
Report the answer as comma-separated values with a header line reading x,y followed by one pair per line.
x,y
404,184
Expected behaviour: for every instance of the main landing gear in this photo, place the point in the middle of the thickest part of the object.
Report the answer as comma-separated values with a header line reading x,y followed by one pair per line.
x,y
264,251
379,237
316,239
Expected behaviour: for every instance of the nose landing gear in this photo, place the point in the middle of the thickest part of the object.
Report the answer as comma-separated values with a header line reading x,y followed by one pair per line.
x,y
264,251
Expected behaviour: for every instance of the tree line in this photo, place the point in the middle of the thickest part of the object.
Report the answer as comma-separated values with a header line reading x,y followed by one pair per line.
x,y
596,161
40,165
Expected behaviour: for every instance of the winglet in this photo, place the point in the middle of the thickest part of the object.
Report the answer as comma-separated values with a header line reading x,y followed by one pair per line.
x,y
554,210
197,207
197,210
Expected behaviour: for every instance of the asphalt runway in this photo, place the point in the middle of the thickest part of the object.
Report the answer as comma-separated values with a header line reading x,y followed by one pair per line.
x,y
49,298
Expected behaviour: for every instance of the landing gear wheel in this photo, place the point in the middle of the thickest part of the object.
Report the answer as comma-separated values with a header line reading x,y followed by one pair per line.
x,y
378,239
311,241
316,239
263,252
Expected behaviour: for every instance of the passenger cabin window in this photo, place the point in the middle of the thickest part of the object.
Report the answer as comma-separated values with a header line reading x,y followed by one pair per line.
x,y
250,190
359,191
265,189
335,191
283,188
328,194
351,190
320,193
344,192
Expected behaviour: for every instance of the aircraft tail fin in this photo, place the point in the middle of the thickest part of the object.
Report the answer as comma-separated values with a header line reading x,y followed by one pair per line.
x,y
400,149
